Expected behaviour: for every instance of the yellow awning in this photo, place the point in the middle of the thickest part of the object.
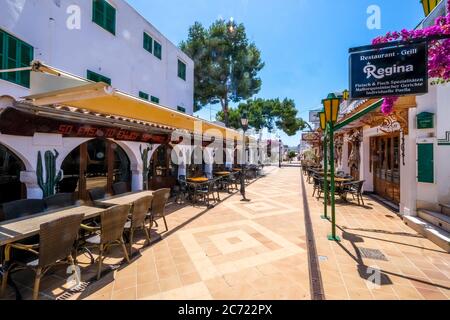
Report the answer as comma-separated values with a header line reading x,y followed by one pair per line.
x,y
101,98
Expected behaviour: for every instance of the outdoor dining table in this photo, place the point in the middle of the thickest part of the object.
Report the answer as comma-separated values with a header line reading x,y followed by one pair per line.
x,y
26,227
125,198
198,180
340,180
222,173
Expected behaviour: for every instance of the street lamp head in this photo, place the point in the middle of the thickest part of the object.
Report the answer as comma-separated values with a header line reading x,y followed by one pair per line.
x,y
323,121
244,120
429,5
331,107
346,95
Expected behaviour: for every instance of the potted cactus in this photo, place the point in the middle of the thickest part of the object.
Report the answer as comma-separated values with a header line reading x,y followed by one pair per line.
x,y
145,163
48,186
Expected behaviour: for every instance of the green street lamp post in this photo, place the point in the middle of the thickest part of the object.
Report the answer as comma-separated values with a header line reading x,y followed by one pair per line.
x,y
331,109
323,126
244,123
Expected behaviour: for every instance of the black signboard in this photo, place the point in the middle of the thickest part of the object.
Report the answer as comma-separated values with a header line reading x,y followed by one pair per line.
x,y
390,71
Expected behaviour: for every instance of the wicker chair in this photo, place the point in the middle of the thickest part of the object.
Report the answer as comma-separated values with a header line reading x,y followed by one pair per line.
x,y
22,208
139,213
97,194
355,189
160,198
53,248
318,186
120,188
109,233
206,192
232,181
181,190
60,200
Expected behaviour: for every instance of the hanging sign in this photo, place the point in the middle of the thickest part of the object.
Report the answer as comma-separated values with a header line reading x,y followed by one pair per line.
x,y
391,71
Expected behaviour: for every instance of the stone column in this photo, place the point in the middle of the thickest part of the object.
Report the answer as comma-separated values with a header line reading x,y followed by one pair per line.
x,y
29,178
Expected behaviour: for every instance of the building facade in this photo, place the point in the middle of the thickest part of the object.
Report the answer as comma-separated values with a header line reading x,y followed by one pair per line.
x,y
403,157
102,40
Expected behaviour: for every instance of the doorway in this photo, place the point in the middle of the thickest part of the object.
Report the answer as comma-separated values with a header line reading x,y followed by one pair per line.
x,y
11,188
385,154
98,163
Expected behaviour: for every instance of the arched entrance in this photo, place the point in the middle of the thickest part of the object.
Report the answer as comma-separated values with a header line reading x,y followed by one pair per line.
x,y
96,163
219,163
11,188
197,164
163,171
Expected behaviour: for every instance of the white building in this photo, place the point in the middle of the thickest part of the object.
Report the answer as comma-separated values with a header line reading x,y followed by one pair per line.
x,y
95,39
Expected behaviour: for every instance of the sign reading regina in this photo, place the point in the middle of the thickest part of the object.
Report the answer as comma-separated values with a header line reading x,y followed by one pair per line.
x,y
391,71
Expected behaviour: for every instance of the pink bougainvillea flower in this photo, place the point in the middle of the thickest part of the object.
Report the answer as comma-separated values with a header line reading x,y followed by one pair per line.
x,y
438,52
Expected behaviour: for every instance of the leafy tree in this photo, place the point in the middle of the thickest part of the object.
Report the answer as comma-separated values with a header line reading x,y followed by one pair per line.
x,y
291,155
269,114
226,64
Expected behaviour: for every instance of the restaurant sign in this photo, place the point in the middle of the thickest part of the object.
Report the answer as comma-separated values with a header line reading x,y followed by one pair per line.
x,y
310,137
15,122
390,71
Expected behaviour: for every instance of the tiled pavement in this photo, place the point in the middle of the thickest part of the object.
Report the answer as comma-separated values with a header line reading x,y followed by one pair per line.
x,y
258,250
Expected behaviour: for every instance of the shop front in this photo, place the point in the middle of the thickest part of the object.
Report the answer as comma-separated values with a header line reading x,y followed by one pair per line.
x,y
98,163
385,155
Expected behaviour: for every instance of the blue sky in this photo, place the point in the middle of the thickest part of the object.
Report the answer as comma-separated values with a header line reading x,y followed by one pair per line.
x,y
304,43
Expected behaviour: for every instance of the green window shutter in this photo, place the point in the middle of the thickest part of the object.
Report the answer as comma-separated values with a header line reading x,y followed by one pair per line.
x,y
26,56
181,109
98,12
15,53
425,162
143,95
2,53
93,76
181,70
104,15
148,43
157,49
154,99
110,20
11,58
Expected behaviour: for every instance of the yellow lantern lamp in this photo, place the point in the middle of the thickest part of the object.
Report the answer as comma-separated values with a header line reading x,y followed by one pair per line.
x,y
323,121
331,106
429,5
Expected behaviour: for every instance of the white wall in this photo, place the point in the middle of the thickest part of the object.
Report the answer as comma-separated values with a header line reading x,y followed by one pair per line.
x,y
122,57
428,195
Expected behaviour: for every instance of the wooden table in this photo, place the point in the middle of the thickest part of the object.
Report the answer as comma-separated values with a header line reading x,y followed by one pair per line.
x,y
26,227
198,180
237,170
340,180
125,198
222,173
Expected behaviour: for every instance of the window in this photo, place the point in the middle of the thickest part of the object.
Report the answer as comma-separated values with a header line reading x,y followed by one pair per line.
x,y
154,99
15,53
148,43
97,77
143,95
104,15
181,109
181,70
157,49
